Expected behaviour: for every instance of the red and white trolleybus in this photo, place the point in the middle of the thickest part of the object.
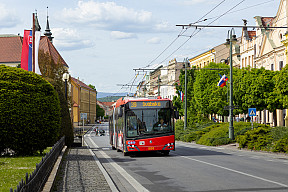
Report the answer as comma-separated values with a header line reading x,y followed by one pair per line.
x,y
142,124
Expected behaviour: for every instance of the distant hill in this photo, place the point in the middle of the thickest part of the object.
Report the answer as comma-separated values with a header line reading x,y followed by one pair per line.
x,y
109,99
104,94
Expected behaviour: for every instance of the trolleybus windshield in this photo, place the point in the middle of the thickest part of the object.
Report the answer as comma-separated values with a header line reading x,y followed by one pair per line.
x,y
149,122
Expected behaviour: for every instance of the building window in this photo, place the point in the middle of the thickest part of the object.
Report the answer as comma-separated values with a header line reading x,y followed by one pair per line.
x,y
245,61
272,67
280,65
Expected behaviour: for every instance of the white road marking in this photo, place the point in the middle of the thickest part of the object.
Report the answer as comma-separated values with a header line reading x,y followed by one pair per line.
x,y
107,177
235,171
127,176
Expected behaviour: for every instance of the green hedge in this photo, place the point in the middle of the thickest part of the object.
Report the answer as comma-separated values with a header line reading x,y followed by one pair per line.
x,y
29,111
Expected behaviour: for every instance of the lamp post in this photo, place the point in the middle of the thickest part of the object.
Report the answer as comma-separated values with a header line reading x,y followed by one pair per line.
x,y
231,39
66,77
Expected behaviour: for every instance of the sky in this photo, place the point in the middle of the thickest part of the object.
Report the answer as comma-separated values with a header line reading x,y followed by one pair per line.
x,y
103,41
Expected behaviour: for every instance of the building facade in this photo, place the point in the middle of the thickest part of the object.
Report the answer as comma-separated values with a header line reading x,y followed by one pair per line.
x,y
84,100
203,59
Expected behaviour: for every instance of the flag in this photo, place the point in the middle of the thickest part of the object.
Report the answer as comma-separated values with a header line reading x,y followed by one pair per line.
x,y
222,81
181,95
37,41
26,55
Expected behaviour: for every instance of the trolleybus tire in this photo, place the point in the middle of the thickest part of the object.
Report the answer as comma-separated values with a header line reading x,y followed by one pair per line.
x,y
166,153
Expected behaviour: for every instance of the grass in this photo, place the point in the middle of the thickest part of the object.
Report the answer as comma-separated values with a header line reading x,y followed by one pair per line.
x,y
13,169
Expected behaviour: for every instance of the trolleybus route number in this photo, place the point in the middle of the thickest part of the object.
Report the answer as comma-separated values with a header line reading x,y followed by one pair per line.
x,y
147,104
150,148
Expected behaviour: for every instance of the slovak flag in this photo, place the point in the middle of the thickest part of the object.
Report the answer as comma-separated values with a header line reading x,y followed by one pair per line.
x,y
222,81
26,56
181,95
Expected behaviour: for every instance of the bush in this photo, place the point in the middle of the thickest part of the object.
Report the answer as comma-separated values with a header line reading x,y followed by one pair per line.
x,y
257,139
30,111
218,133
279,133
281,145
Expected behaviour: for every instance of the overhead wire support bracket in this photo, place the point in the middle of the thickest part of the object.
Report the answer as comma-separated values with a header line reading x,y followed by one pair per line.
x,y
231,26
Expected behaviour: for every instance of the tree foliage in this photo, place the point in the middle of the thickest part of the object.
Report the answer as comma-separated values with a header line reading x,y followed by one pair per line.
x,y
53,72
30,111
99,111
257,88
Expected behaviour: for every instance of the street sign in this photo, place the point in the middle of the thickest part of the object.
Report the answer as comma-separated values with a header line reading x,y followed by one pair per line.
x,y
252,112
83,115
231,107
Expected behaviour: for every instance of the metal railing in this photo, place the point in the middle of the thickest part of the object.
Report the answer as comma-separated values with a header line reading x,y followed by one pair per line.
x,y
35,181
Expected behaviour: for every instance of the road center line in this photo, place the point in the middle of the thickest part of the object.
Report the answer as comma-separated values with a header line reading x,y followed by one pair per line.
x,y
235,171
127,176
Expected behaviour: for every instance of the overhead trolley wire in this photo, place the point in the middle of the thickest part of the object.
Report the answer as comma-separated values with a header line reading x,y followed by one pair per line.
x,y
181,34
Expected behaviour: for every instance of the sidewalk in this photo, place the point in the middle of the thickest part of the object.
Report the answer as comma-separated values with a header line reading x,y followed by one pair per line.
x,y
79,172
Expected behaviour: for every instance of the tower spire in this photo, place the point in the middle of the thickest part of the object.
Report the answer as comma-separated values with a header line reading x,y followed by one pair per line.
x,y
47,30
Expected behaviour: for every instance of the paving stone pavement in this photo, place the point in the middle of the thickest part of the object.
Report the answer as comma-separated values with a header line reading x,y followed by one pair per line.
x,y
79,172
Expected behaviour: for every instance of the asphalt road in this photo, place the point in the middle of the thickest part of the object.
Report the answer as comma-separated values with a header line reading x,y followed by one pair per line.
x,y
192,167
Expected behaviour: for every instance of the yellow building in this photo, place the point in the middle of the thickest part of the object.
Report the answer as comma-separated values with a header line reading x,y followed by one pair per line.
x,y
84,100
203,59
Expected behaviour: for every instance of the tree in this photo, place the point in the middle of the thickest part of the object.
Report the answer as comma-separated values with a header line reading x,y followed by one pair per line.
x,y
210,98
92,86
281,87
53,72
30,111
99,111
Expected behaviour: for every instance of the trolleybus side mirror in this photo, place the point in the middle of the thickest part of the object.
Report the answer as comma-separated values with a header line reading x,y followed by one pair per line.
x,y
120,112
176,114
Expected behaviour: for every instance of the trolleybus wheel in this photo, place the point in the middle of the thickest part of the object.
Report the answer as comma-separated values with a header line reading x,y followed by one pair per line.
x,y
165,153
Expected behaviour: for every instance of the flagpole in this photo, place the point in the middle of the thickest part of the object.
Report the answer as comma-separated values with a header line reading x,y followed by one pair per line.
x,y
33,44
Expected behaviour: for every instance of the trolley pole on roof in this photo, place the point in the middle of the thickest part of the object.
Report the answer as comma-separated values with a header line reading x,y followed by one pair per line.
x,y
185,95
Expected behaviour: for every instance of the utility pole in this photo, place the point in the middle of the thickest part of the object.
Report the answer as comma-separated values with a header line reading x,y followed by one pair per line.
x,y
185,94
159,85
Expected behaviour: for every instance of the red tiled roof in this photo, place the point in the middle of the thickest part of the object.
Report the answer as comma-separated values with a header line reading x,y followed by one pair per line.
x,y
47,46
267,21
81,84
10,49
251,34
109,104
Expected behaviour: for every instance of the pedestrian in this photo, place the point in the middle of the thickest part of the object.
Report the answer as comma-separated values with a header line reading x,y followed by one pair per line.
x,y
248,118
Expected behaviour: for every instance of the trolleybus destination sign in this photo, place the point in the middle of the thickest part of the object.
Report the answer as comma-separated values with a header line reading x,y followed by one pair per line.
x,y
148,104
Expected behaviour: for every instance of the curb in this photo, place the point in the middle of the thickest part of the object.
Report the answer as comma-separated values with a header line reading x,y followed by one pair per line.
x,y
49,183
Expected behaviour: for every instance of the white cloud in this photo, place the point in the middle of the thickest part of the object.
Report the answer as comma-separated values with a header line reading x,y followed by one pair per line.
x,y
8,17
122,35
69,39
105,14
154,40
112,17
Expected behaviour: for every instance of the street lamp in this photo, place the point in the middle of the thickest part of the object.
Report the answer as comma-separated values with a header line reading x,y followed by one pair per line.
x,y
66,77
231,40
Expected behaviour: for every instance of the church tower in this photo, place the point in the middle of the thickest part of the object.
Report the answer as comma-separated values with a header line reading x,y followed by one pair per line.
x,y
47,30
